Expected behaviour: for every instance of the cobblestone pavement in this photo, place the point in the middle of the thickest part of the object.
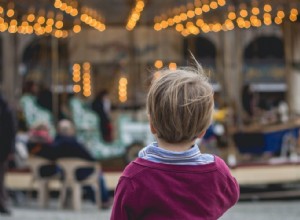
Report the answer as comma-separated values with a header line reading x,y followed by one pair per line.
x,y
287,210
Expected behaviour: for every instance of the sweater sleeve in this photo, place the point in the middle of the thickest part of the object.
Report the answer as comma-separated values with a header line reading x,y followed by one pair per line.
x,y
122,208
232,189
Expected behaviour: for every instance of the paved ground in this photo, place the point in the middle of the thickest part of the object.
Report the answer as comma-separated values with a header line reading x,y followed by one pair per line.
x,y
279,210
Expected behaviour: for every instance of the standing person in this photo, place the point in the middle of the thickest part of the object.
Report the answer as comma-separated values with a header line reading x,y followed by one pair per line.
x,y
249,100
7,139
101,105
30,88
44,97
172,179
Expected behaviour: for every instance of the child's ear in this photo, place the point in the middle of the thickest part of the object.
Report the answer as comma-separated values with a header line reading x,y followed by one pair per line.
x,y
201,134
153,130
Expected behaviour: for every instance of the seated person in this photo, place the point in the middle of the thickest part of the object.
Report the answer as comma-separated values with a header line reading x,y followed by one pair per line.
x,y
39,144
65,145
68,147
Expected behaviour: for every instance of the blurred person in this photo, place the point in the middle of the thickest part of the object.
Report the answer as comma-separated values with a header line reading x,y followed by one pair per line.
x,y
7,140
40,133
30,88
40,144
249,101
102,105
44,97
68,146
65,145
172,179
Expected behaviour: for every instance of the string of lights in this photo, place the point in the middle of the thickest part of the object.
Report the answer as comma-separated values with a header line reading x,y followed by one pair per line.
x,y
185,12
32,23
68,7
241,18
135,14
86,77
41,22
123,89
92,18
82,75
89,16
76,77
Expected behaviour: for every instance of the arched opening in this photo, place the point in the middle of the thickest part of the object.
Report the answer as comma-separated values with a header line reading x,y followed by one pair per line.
x,y
264,70
202,48
264,60
37,60
204,51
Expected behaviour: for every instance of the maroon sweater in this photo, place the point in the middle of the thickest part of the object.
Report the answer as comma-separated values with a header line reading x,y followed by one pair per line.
x,y
156,191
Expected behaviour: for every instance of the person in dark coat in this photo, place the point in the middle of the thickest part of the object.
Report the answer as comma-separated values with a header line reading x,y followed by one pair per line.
x,y
247,100
101,105
7,140
44,97
65,145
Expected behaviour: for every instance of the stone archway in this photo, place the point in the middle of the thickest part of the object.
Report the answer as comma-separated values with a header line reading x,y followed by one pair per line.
x,y
264,69
37,59
200,46
264,60
204,51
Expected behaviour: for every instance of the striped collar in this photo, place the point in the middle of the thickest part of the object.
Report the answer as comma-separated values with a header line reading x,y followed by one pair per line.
x,y
192,156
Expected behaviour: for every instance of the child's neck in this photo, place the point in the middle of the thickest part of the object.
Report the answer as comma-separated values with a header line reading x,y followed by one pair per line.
x,y
176,147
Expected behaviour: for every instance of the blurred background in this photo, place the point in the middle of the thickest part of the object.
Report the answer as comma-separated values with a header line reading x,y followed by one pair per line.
x,y
74,76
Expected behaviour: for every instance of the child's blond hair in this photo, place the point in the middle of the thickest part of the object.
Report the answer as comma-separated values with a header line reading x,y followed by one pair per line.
x,y
180,104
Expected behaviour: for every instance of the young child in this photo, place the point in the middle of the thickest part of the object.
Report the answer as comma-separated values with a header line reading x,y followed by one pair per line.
x,y
171,179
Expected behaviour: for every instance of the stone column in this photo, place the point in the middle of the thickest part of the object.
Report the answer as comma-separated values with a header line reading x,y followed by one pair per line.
x,y
9,67
232,69
292,55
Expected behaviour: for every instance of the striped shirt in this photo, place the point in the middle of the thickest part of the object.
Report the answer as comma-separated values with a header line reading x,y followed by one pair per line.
x,y
192,156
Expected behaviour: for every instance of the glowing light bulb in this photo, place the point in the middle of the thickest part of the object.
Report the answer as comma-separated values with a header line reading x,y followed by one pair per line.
x,y
255,10
10,13
232,15
205,8
30,17
59,24
244,13
179,27
267,8
280,14
77,28
158,64
172,66
213,5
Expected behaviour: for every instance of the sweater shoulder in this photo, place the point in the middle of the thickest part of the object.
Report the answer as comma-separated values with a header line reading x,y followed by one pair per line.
x,y
220,163
222,167
132,170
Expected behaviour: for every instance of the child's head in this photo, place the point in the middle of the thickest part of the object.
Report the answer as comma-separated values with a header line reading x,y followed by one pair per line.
x,y
180,104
